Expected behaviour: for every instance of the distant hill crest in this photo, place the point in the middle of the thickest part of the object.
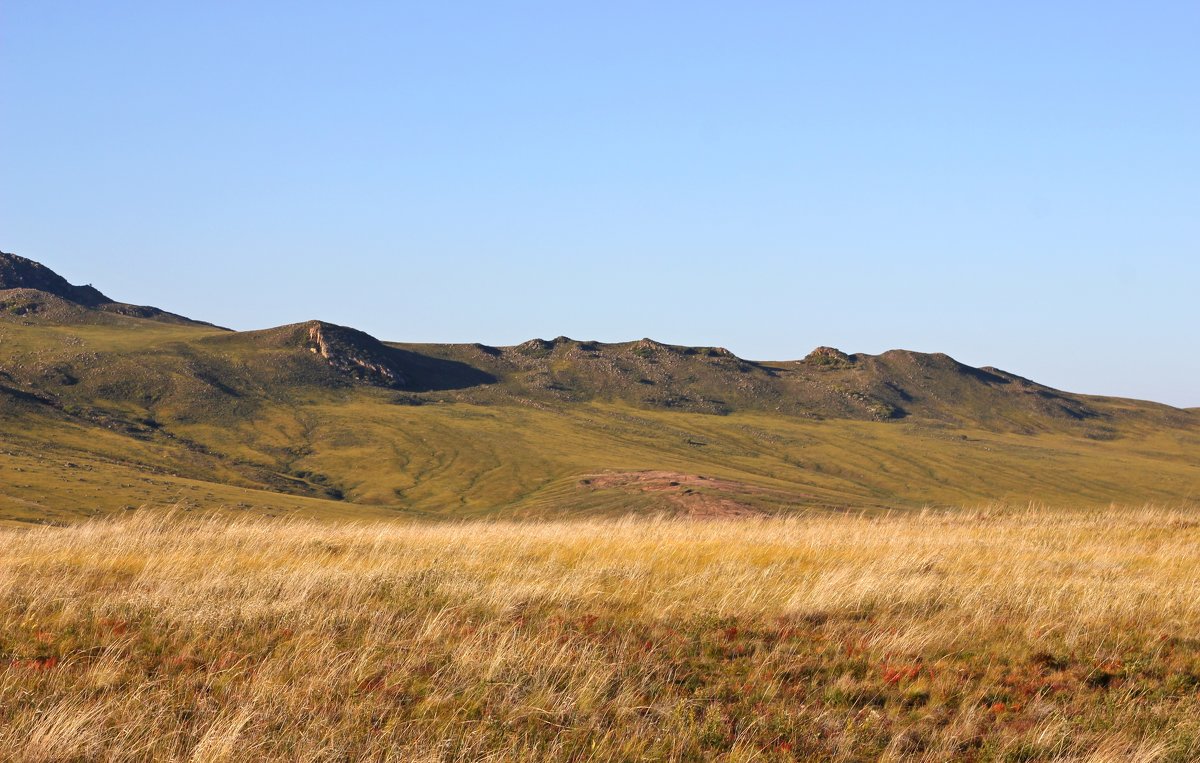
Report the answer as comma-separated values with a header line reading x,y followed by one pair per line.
x,y
231,368
23,275
18,272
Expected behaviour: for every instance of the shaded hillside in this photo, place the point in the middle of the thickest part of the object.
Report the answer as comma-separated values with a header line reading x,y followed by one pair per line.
x,y
103,407
896,385
30,289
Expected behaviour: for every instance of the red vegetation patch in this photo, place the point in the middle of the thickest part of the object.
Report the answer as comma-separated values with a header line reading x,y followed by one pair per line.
x,y
38,663
693,494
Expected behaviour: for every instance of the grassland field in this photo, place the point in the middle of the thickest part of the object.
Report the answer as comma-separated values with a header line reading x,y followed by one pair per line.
x,y
970,635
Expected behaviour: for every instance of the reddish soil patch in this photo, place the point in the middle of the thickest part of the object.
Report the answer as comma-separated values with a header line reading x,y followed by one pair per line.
x,y
695,495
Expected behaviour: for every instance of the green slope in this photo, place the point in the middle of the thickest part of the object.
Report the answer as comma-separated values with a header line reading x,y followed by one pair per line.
x,y
101,409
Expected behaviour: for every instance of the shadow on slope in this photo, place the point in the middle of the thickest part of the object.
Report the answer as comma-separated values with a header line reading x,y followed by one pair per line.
x,y
427,373
325,354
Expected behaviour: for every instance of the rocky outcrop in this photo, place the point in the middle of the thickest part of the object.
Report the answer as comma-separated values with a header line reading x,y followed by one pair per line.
x,y
829,357
355,354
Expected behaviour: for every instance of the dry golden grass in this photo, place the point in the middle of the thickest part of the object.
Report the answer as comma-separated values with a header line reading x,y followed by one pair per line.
x,y
1003,635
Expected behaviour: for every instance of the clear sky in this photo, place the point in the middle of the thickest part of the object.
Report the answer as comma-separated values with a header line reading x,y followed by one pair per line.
x,y
1013,183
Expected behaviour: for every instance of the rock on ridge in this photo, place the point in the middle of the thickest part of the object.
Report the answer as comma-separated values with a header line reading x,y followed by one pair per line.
x,y
829,357
355,354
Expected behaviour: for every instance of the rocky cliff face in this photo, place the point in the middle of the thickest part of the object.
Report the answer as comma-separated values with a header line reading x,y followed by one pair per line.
x,y
355,354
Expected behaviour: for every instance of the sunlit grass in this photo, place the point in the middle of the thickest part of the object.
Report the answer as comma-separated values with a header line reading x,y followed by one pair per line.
x,y
1003,635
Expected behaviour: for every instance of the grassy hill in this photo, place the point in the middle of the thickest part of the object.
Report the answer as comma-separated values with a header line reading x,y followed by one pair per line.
x,y
105,406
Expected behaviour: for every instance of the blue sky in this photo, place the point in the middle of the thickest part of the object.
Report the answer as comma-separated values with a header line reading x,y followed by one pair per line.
x,y
1016,184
